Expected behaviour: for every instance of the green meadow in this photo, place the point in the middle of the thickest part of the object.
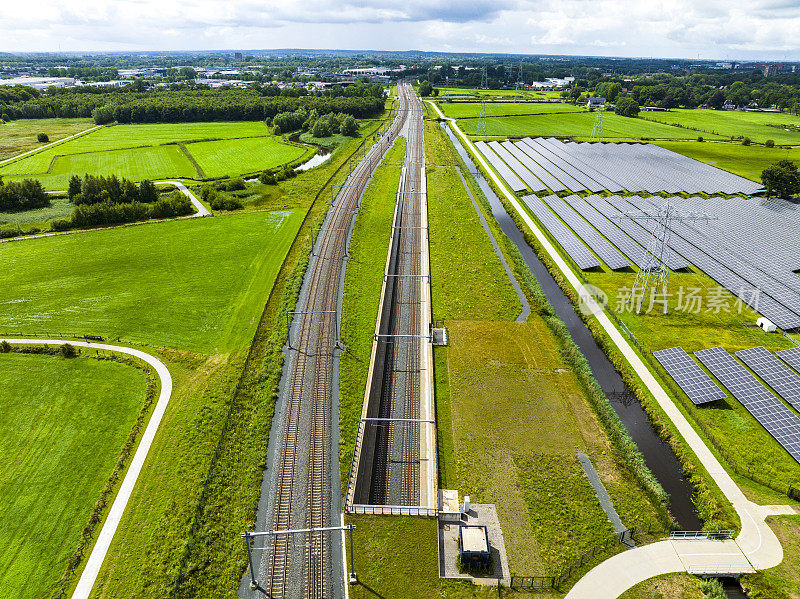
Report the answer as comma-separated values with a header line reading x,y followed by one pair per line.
x,y
54,465
188,284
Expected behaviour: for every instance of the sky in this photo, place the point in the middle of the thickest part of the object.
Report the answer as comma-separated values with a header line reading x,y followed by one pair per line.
x,y
708,29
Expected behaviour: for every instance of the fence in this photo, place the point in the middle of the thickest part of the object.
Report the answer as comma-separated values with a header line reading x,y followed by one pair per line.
x,y
701,534
392,510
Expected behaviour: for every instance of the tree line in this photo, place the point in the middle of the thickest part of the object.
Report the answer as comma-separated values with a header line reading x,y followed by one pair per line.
x,y
190,105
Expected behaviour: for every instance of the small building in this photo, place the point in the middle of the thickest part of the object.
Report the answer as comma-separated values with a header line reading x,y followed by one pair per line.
x,y
449,509
473,544
766,324
593,103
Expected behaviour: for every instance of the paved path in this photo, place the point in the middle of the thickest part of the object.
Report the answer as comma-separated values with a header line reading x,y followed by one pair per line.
x,y
201,210
756,541
100,548
50,145
526,307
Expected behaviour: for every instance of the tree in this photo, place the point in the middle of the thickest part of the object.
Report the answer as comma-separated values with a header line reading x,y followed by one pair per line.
x,y
746,141
349,127
321,128
68,351
147,192
716,100
43,138
770,143
425,88
626,106
74,187
782,179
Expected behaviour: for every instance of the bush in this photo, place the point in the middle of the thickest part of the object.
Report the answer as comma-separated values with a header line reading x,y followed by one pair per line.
x,y
5,347
349,127
43,138
321,128
626,106
700,138
746,141
68,351
770,143
220,202
9,233
267,178
27,194
712,588
60,224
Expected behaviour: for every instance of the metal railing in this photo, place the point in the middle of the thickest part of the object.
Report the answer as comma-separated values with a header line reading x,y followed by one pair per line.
x,y
701,534
392,510
717,569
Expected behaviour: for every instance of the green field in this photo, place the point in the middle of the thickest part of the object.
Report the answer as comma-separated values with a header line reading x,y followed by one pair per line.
x,y
745,161
460,110
182,284
499,93
576,125
237,156
17,137
758,126
63,426
152,151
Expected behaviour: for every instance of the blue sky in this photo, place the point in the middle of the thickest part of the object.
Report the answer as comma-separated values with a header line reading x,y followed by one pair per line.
x,y
710,29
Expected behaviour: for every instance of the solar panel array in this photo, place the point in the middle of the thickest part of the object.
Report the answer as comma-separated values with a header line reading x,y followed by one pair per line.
x,y
618,166
514,182
791,357
599,244
783,380
562,234
692,379
771,412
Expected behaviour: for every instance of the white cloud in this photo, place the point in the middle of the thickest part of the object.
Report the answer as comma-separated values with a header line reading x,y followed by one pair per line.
x,y
673,28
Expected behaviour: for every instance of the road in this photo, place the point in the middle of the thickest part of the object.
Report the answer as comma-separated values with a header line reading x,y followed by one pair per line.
x,y
756,541
98,554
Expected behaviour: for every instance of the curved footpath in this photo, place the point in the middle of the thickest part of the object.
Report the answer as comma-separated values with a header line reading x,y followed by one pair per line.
x,y
201,210
756,547
114,516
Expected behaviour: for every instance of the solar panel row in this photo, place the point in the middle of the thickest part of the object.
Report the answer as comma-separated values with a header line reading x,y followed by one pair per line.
x,y
692,379
791,357
776,374
599,244
514,182
562,234
770,412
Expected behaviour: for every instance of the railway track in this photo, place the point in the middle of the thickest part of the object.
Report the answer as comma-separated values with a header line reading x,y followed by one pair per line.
x,y
396,464
295,568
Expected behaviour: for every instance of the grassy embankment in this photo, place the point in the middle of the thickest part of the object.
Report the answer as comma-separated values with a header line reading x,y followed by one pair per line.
x,y
782,581
157,151
17,137
202,309
670,586
63,427
496,383
758,126
503,94
470,110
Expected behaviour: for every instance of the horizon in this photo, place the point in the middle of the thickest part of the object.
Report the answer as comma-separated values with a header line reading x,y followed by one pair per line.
x,y
673,30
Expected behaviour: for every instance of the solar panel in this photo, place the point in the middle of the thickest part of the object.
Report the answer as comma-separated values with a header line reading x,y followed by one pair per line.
x,y
791,357
692,379
562,234
601,246
777,375
771,412
514,182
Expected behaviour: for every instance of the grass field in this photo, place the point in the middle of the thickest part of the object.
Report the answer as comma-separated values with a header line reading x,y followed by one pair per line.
x,y
152,151
63,427
758,126
782,581
237,156
17,137
460,110
499,93
577,125
452,219
745,161
362,291
182,284
670,586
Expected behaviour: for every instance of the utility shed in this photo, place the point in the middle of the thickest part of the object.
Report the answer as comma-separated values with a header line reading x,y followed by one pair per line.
x,y
473,545
449,510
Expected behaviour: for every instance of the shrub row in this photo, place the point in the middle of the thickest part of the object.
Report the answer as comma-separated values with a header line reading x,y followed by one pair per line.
x,y
17,196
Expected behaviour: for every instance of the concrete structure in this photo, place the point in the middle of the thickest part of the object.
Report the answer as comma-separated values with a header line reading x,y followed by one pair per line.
x,y
473,544
449,509
479,514
766,324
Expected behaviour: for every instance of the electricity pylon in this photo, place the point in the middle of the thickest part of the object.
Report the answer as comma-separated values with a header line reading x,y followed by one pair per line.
x,y
482,118
655,274
597,129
